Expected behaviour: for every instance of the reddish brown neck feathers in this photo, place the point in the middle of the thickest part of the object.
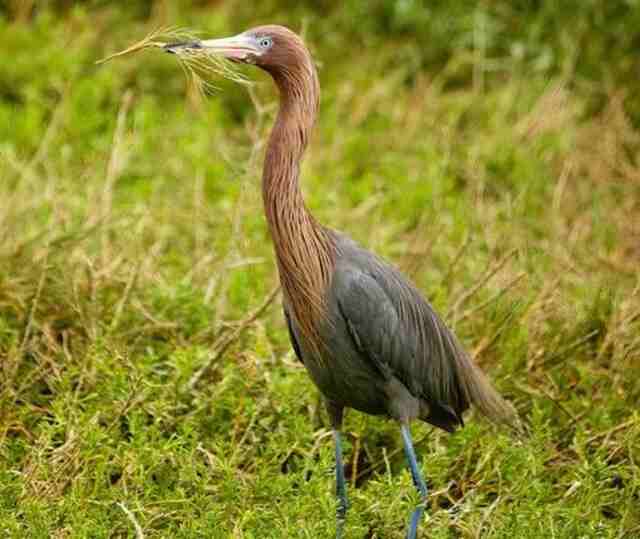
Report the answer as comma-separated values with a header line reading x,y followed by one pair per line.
x,y
304,249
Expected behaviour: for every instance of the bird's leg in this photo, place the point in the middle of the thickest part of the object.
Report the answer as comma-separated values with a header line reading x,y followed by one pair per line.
x,y
341,487
417,480
335,411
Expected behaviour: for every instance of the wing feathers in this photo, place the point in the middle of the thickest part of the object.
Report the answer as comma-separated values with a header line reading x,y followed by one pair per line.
x,y
391,323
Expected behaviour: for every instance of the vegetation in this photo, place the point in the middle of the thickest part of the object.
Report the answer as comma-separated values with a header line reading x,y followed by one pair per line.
x,y
147,386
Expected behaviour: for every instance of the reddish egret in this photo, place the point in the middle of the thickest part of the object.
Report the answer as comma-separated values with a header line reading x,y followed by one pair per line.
x,y
365,334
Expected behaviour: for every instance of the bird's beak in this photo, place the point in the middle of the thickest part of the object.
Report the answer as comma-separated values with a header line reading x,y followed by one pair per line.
x,y
238,47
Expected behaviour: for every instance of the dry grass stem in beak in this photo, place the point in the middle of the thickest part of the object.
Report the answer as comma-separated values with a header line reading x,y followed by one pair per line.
x,y
198,63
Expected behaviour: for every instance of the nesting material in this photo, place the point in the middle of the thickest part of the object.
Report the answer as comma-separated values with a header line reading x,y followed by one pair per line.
x,y
200,65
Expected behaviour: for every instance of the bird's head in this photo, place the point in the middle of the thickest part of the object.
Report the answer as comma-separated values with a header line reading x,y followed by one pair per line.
x,y
274,48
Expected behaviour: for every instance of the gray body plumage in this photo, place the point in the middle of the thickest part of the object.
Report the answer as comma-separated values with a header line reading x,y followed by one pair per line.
x,y
386,350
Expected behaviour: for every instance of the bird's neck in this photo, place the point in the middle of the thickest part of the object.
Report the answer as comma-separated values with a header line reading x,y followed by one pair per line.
x,y
304,249
290,222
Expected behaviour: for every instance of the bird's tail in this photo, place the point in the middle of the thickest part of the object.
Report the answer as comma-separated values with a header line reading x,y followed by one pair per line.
x,y
479,391
482,395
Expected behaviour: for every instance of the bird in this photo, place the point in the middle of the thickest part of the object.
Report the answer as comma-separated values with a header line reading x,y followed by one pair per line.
x,y
365,334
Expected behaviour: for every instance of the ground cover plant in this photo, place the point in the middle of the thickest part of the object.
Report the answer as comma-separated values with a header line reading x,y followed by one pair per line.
x,y
147,386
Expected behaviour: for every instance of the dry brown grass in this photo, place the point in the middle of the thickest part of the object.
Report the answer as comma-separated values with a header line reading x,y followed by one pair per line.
x,y
134,264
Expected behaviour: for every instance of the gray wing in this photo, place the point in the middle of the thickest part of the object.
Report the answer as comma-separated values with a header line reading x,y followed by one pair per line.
x,y
392,326
292,337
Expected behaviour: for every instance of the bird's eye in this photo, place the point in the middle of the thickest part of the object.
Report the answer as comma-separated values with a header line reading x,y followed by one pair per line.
x,y
265,42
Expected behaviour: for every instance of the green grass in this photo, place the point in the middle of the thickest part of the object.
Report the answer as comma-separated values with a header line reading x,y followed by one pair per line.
x,y
134,259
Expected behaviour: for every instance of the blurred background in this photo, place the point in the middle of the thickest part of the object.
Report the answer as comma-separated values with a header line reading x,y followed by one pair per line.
x,y
147,387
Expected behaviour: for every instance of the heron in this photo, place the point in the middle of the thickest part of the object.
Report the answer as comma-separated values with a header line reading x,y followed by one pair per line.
x,y
367,337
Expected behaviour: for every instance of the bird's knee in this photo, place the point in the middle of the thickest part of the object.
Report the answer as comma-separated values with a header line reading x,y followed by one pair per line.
x,y
402,405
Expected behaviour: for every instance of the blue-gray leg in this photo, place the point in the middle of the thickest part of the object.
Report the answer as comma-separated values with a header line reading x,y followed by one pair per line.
x,y
341,487
417,481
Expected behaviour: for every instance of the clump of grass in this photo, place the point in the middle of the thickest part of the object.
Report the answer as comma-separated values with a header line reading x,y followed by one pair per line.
x,y
147,384
199,64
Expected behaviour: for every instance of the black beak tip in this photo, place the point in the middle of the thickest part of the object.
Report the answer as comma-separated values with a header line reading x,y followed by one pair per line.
x,y
171,47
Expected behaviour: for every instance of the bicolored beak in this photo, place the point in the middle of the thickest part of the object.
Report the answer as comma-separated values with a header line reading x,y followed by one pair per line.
x,y
238,47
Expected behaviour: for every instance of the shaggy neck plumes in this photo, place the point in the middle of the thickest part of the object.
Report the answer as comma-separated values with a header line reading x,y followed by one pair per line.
x,y
304,249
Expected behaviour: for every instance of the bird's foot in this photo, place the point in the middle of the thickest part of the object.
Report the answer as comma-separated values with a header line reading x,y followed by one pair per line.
x,y
343,507
416,517
341,516
340,528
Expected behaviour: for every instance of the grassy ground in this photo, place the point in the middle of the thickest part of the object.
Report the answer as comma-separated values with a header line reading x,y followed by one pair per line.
x,y
147,385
